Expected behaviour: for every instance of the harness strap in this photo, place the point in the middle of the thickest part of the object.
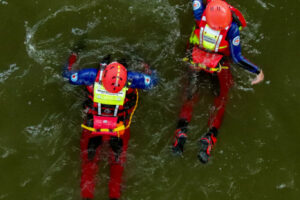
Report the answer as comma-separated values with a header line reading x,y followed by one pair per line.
x,y
120,128
200,66
100,76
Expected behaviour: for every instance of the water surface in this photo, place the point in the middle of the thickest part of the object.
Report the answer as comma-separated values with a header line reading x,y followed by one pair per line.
x,y
256,154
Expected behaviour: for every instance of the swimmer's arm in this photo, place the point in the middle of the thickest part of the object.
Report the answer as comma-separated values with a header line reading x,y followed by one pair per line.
x,y
198,9
141,80
235,50
236,54
78,77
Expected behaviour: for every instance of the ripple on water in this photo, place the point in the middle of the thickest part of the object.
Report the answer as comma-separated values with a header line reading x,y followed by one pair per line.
x,y
47,50
3,2
265,5
7,73
3,196
35,48
5,151
46,130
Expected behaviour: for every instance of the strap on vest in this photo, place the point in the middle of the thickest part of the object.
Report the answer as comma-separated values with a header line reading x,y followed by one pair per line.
x,y
100,76
199,66
119,130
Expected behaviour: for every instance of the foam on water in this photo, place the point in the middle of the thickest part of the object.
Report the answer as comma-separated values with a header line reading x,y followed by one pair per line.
x,y
7,73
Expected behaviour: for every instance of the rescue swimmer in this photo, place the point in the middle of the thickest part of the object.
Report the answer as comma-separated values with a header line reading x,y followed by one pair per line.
x,y
111,102
214,39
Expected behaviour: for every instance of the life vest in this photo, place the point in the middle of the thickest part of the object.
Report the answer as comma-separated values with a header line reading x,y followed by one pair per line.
x,y
209,39
211,45
104,123
202,60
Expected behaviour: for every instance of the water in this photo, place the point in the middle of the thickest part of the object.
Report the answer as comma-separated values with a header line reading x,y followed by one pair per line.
x,y
256,154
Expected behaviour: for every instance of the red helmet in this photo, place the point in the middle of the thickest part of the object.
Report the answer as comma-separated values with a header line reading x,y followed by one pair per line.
x,y
218,15
114,77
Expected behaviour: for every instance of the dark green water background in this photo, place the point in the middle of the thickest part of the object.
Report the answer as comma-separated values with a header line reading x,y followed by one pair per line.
x,y
257,154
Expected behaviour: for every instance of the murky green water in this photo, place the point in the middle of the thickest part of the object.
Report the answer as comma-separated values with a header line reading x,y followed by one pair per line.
x,y
256,156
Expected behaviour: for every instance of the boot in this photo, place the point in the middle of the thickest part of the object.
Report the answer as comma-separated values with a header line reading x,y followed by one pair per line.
x,y
206,144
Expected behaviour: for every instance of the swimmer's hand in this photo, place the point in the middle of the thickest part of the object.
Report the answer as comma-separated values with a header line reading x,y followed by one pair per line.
x,y
259,78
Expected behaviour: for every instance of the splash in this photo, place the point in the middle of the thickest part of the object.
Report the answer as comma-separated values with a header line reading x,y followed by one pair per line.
x,y
41,55
6,74
3,2
102,18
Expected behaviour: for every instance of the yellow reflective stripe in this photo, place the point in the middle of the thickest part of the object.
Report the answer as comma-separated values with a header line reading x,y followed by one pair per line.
x,y
199,65
223,47
88,128
120,128
194,38
185,59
